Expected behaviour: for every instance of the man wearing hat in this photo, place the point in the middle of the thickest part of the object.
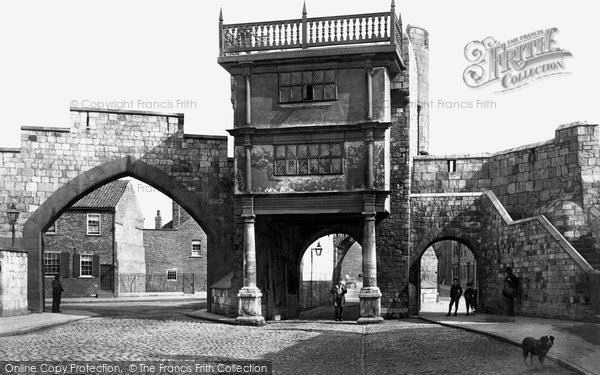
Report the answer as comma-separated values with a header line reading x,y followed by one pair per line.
x,y
470,298
509,291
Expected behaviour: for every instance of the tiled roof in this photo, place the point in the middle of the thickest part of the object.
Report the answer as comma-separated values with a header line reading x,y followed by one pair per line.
x,y
106,196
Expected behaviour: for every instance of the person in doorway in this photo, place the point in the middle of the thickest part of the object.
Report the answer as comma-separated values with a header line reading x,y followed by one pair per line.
x,y
455,293
339,300
510,289
57,290
470,298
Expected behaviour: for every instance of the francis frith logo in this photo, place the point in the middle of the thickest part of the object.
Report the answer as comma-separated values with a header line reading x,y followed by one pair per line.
x,y
515,63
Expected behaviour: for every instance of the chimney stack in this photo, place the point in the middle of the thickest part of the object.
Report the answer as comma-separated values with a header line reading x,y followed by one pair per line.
x,y
158,220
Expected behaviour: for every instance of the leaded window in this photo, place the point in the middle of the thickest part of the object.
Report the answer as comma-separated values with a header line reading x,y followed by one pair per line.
x,y
307,159
307,86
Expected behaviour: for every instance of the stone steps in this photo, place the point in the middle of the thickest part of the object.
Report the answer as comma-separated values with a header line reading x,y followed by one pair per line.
x,y
585,247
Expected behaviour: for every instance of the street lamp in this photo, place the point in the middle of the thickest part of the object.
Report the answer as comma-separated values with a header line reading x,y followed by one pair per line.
x,y
13,216
317,250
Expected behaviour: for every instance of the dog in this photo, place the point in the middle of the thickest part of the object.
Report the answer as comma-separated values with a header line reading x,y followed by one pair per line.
x,y
537,347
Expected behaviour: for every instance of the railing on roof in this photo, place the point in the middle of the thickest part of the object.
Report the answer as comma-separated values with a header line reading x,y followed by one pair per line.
x,y
303,33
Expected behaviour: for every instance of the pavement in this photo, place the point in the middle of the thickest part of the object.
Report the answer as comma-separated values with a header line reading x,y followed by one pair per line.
x,y
576,346
17,325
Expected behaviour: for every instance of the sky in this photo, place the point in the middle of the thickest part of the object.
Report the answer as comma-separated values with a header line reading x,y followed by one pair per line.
x,y
62,53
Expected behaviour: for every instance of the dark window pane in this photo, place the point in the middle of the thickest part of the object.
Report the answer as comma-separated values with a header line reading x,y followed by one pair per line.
x,y
285,78
329,92
325,165
318,92
336,149
302,151
291,167
313,166
330,76
307,77
296,78
296,94
280,151
280,167
285,94
336,165
319,76
291,152
313,150
303,166
324,149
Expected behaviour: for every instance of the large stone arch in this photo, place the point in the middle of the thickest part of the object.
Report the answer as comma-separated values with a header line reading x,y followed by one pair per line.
x,y
54,167
195,204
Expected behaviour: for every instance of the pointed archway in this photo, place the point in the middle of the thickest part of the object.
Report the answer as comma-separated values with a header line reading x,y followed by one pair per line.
x,y
193,202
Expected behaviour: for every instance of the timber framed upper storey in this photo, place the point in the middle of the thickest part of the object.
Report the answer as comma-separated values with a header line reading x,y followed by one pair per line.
x,y
312,111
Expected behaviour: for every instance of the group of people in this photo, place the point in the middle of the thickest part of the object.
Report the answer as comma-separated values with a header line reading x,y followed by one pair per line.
x,y
455,293
509,291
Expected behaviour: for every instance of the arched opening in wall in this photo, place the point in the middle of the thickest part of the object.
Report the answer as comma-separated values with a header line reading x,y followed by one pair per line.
x,y
123,239
329,259
189,196
441,263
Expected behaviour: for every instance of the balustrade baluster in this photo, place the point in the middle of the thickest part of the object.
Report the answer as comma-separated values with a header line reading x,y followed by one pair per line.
x,y
384,33
280,32
353,21
363,34
321,31
288,34
330,27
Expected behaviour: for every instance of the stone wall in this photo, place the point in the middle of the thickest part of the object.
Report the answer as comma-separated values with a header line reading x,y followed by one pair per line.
x,y
393,233
13,282
529,179
56,166
321,294
553,275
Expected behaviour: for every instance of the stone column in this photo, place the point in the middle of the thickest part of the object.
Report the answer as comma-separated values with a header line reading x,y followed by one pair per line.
x,y
370,295
249,297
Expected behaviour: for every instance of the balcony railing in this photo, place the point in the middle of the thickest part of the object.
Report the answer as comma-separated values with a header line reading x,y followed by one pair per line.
x,y
303,33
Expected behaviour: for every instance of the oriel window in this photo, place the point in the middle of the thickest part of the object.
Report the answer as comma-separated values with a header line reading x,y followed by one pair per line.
x,y
307,86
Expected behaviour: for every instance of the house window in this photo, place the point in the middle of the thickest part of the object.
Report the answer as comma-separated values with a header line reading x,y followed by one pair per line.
x,y
172,275
51,264
307,159
196,248
93,224
86,263
52,229
451,165
307,86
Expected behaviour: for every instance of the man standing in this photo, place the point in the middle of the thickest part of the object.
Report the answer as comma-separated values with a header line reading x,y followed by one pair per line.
x,y
57,290
509,291
455,293
339,300
470,298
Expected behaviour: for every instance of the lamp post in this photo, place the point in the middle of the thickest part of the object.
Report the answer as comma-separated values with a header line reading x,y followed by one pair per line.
x,y
13,216
317,250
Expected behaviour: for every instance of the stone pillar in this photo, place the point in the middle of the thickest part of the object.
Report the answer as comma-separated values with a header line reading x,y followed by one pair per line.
x,y
249,297
370,295
370,172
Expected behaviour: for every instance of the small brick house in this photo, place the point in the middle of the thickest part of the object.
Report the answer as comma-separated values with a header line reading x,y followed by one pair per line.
x,y
177,251
94,242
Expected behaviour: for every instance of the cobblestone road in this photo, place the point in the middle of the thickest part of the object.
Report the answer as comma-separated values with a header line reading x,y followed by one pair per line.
x,y
295,347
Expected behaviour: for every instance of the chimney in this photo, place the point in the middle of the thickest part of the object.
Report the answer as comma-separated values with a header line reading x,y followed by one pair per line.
x,y
158,220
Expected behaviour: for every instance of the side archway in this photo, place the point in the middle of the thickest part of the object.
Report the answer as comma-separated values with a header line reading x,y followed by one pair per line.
x,y
193,202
